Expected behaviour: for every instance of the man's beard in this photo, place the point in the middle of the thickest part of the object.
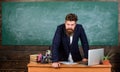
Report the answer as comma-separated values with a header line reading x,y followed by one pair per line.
x,y
69,32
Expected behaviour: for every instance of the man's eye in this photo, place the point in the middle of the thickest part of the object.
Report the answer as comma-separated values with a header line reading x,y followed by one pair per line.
x,y
72,24
67,24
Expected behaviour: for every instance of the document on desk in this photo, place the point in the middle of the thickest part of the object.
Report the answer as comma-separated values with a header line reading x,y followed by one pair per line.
x,y
68,63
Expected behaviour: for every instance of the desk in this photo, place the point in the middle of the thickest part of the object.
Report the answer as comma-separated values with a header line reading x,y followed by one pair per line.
x,y
37,67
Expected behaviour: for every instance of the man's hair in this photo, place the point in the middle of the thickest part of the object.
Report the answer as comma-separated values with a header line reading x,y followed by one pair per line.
x,y
71,17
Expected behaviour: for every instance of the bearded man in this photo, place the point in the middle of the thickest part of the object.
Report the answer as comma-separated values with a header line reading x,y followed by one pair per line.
x,y
65,42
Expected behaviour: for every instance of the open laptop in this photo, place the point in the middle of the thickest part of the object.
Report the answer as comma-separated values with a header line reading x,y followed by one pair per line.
x,y
94,57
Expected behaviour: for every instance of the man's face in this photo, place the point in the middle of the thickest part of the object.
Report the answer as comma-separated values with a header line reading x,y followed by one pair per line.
x,y
70,26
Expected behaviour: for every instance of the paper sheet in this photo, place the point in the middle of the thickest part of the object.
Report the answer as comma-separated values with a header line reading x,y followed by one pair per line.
x,y
65,62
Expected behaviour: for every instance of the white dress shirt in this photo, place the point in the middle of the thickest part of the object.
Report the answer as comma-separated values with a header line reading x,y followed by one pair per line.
x,y
70,56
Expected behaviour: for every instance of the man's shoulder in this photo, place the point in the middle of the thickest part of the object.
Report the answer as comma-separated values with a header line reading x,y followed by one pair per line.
x,y
61,26
79,25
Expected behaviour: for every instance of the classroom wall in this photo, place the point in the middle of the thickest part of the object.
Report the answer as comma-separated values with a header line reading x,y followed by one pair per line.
x,y
16,58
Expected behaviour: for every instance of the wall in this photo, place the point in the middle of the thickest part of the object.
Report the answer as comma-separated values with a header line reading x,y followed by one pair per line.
x,y
15,58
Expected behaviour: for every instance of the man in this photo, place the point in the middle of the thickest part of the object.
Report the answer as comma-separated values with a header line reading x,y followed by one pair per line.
x,y
65,42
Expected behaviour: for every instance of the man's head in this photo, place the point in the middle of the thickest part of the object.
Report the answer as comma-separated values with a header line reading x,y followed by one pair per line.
x,y
70,23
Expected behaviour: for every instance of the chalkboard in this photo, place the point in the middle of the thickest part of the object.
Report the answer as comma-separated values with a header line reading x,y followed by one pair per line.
x,y
34,23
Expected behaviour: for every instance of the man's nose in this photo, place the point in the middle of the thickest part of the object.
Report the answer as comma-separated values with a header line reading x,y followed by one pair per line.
x,y
70,26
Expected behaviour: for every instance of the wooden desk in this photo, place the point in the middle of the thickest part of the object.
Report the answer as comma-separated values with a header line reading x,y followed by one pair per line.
x,y
37,67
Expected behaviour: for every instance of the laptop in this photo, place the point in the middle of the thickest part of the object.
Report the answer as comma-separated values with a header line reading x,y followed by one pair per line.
x,y
95,56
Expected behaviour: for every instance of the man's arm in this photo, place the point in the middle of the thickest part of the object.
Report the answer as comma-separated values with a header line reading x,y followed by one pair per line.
x,y
55,45
84,43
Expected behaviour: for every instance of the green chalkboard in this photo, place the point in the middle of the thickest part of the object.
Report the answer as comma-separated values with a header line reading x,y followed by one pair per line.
x,y
34,23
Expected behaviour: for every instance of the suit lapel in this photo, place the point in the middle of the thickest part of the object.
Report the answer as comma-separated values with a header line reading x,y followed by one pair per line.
x,y
66,38
74,35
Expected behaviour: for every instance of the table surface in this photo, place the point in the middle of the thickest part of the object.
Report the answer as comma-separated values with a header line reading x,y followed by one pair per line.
x,y
34,64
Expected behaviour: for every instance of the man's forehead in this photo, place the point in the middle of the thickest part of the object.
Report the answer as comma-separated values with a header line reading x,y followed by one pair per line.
x,y
70,22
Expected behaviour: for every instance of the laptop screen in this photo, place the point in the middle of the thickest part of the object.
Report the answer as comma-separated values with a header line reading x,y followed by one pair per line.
x,y
95,56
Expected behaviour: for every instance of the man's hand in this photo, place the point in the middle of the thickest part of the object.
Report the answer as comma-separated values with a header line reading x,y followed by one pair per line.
x,y
56,64
84,59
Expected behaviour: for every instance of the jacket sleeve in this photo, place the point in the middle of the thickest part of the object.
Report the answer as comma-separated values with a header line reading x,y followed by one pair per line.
x,y
55,45
84,42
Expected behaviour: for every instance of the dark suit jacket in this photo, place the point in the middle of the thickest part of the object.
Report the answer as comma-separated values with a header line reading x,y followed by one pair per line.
x,y
61,44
